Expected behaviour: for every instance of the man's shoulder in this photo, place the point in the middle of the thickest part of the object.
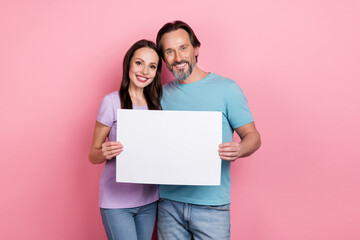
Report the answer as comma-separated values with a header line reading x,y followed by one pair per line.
x,y
222,81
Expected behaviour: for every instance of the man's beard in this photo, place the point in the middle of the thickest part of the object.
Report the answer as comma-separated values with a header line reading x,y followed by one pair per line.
x,y
181,74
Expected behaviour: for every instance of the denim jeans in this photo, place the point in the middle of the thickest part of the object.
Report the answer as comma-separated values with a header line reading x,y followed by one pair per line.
x,y
183,221
129,223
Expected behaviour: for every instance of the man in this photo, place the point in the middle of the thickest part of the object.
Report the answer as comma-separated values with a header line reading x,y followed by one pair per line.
x,y
201,212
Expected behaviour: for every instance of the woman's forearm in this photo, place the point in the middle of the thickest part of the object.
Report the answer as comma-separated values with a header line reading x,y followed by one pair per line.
x,y
96,156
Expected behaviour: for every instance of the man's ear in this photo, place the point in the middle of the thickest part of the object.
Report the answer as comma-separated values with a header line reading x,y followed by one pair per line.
x,y
197,51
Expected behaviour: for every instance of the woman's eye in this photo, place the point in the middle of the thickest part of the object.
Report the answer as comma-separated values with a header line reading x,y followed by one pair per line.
x,y
153,67
138,63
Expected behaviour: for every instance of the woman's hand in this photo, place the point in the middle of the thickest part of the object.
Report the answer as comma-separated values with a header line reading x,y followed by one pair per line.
x,y
101,151
111,149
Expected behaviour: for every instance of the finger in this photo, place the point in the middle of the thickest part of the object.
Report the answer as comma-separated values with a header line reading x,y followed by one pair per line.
x,y
231,159
107,144
112,152
114,143
114,155
228,149
114,147
227,144
227,154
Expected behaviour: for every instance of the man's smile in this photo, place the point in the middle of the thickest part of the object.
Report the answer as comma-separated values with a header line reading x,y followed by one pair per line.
x,y
180,65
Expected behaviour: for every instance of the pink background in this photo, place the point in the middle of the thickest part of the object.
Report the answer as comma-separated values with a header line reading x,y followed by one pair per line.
x,y
297,62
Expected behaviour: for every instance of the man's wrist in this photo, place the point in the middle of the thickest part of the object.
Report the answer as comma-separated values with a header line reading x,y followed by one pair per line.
x,y
239,153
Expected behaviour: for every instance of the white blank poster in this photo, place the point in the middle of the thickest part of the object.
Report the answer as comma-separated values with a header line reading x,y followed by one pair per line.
x,y
169,147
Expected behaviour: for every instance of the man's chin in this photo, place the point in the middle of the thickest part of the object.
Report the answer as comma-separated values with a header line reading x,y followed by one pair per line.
x,y
181,77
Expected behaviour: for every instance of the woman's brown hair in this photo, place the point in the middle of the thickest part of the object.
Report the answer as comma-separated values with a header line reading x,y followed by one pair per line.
x,y
153,91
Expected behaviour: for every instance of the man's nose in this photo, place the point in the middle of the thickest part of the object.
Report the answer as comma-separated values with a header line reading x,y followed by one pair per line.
x,y
178,57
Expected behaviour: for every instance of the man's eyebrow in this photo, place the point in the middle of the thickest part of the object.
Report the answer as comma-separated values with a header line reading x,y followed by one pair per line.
x,y
182,45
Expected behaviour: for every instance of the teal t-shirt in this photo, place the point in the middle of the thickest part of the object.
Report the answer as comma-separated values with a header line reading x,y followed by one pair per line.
x,y
212,93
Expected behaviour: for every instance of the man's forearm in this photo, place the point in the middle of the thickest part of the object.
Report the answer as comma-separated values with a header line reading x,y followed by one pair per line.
x,y
249,144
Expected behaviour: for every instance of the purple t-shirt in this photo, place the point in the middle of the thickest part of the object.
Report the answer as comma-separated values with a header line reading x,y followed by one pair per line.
x,y
111,193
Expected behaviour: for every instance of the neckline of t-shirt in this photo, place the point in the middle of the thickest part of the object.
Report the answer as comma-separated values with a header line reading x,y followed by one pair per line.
x,y
137,106
194,83
134,105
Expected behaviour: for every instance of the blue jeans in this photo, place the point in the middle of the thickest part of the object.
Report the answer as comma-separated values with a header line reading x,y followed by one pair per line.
x,y
177,220
129,223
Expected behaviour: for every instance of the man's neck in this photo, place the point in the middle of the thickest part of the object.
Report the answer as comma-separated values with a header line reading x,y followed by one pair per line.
x,y
196,75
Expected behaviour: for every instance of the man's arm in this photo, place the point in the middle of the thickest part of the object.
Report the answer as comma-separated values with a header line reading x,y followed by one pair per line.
x,y
250,142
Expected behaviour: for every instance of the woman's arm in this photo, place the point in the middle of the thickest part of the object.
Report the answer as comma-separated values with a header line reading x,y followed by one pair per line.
x,y
102,151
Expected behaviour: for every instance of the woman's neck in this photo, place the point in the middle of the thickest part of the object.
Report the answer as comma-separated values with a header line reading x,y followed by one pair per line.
x,y
137,96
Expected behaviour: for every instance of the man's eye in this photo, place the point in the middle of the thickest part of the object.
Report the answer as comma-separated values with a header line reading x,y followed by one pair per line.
x,y
183,48
169,52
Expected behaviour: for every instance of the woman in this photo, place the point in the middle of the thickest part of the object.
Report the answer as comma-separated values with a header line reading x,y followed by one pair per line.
x,y
128,210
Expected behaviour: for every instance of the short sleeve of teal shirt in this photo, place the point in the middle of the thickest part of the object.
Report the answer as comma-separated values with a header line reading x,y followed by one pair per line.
x,y
212,93
238,112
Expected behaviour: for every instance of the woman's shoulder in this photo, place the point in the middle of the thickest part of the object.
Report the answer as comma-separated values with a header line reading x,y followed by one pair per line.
x,y
112,98
112,95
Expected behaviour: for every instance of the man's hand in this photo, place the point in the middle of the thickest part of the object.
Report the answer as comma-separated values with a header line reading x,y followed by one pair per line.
x,y
229,151
250,142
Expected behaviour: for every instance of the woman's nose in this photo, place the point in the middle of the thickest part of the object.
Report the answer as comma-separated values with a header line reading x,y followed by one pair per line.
x,y
144,70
